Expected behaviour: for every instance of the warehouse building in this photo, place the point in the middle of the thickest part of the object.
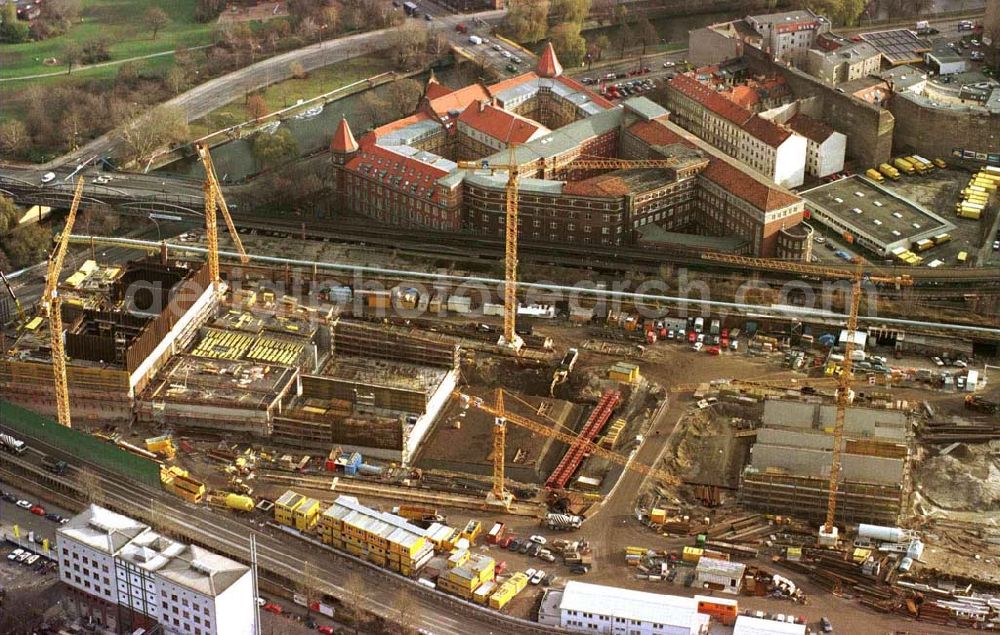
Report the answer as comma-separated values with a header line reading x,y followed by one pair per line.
x,y
790,463
404,173
871,216
128,577
593,608
747,625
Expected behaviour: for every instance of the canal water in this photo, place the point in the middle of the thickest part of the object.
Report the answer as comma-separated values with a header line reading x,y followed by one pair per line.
x,y
234,161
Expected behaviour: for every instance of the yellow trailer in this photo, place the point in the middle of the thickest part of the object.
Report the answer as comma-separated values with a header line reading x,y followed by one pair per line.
x,y
888,171
903,165
874,175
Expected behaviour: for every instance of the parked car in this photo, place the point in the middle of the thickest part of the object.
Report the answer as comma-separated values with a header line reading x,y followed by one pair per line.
x,y
38,510
23,504
32,559
14,555
326,630
825,624
271,607
579,569
48,177
524,547
533,550
10,498
937,362
538,577
53,517
500,568
514,545
530,573
541,540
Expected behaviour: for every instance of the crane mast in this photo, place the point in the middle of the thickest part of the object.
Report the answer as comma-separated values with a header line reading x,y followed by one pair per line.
x,y
828,532
216,202
510,338
51,309
502,414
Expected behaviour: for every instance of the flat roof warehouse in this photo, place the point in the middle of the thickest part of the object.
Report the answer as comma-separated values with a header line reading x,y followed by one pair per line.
x,y
876,218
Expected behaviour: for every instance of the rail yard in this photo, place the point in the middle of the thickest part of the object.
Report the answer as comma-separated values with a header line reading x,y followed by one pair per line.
x,y
551,355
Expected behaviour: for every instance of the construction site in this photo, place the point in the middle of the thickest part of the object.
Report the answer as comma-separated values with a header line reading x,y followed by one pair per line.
x,y
738,451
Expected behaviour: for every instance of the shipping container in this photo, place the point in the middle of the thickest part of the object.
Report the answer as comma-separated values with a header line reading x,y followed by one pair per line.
x,y
970,214
941,239
888,171
923,245
874,175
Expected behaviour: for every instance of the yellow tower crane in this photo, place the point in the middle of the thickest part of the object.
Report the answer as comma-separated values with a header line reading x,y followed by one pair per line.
x,y
514,168
499,495
213,199
50,308
828,532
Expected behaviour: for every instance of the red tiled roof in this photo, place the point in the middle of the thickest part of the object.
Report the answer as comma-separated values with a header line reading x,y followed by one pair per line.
x,y
458,100
743,96
435,89
399,123
741,184
810,128
595,97
656,134
548,63
343,141
499,123
767,131
603,185
413,173
712,100
511,82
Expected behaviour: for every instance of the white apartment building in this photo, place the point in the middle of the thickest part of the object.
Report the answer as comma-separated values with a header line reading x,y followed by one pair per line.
x,y
593,608
788,36
825,147
769,148
128,576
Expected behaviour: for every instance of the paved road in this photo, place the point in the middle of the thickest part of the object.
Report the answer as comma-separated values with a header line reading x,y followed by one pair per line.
x,y
218,92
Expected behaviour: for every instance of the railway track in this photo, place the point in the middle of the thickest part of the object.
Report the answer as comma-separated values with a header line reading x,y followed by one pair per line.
x,y
445,245
392,492
280,560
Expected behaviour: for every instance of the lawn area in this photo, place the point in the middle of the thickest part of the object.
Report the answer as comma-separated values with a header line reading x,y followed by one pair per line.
x,y
285,93
121,23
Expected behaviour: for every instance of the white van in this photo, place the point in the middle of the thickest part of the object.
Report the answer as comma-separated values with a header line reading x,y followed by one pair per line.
x,y
475,39
427,583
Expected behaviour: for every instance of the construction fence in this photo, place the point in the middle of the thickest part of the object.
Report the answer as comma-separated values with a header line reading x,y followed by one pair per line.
x,y
28,427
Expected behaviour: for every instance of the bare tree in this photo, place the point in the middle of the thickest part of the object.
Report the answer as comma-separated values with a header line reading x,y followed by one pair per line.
x,y
90,485
71,55
408,45
155,19
355,587
256,107
14,137
372,107
406,612
145,133
308,585
404,95
297,70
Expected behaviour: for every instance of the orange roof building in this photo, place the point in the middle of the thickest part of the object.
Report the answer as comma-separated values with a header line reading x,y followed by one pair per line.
x,y
406,172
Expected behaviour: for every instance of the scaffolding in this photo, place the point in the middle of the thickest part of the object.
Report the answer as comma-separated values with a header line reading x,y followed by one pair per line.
x,y
392,343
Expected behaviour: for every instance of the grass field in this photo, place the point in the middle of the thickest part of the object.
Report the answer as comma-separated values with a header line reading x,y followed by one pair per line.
x,y
121,22
287,92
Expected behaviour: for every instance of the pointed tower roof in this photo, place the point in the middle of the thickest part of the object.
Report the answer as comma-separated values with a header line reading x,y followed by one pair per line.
x,y
434,88
343,139
548,63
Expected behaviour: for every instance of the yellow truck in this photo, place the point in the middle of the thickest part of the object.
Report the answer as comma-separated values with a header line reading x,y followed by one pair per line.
x,y
903,166
888,171
874,175
917,164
